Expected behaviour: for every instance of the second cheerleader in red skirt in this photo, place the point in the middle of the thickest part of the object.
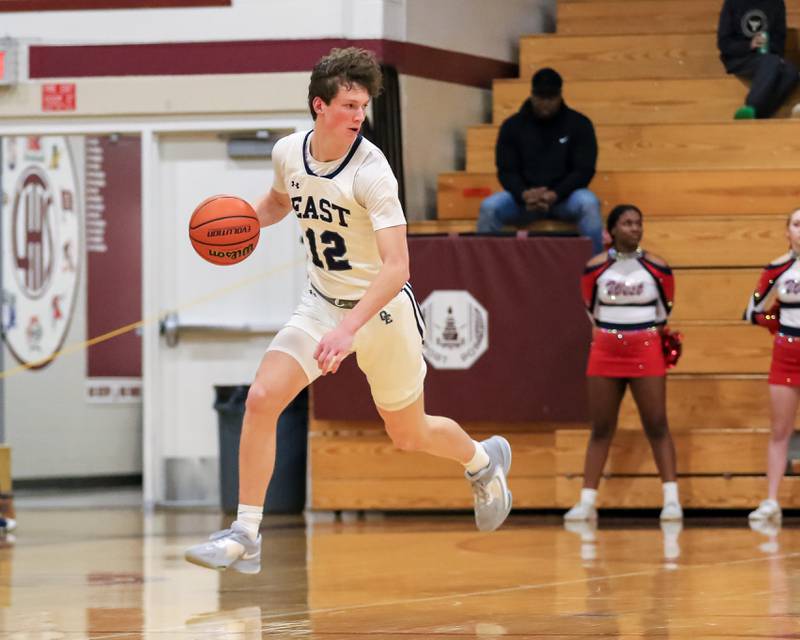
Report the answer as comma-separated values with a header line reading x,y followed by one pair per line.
x,y
628,293
775,305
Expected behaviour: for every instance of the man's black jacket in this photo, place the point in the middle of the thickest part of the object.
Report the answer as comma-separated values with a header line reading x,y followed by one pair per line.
x,y
559,153
741,20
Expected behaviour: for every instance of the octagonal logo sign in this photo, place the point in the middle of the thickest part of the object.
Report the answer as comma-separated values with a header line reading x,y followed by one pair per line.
x,y
457,329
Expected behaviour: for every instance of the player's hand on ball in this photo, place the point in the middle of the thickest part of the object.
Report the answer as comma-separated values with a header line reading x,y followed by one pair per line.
x,y
334,347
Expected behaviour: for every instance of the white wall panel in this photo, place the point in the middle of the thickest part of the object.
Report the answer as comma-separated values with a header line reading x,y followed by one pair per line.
x,y
479,27
244,20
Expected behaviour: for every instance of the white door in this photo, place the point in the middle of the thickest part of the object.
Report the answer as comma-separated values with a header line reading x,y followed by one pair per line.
x,y
259,293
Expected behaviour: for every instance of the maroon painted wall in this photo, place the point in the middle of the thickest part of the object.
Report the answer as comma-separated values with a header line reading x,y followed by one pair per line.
x,y
114,249
94,5
256,56
539,333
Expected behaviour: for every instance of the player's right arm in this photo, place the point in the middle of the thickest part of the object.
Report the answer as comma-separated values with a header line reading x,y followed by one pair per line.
x,y
275,204
273,208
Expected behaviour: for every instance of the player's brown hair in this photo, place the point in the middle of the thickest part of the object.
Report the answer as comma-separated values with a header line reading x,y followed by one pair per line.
x,y
344,68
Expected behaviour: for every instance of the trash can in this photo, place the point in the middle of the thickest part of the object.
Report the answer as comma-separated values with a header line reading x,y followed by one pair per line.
x,y
287,489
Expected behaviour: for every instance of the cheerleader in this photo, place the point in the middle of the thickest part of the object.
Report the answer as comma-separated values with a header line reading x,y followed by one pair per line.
x,y
779,285
628,293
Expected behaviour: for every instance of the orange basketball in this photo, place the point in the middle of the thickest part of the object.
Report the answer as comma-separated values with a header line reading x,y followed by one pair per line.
x,y
224,229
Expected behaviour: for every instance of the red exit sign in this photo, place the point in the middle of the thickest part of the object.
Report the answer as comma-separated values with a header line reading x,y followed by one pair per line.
x,y
59,97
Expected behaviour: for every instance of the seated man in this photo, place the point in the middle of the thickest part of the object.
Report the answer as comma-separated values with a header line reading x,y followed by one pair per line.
x,y
545,156
751,38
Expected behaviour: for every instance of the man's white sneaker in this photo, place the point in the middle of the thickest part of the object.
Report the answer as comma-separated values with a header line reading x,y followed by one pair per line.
x,y
228,548
581,512
767,510
796,111
490,487
671,511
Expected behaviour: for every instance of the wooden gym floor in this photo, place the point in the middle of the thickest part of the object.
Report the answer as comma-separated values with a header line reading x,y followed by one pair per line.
x,y
118,575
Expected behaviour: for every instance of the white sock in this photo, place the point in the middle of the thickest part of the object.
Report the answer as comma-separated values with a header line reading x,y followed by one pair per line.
x,y
589,496
249,517
479,461
670,492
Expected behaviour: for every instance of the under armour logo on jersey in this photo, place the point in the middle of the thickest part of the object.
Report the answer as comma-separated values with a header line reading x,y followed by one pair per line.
x,y
295,185
386,317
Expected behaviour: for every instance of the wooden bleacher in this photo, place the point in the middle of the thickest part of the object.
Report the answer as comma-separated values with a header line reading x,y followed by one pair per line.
x,y
710,192
643,17
668,147
619,57
715,194
646,101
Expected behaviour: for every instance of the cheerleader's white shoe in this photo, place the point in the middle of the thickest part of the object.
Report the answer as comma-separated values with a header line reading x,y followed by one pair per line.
x,y
671,511
581,512
767,510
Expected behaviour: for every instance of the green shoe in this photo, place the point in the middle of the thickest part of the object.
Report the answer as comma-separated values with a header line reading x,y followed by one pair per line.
x,y
745,113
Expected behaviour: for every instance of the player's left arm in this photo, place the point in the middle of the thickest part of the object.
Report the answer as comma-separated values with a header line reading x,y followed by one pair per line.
x,y
393,274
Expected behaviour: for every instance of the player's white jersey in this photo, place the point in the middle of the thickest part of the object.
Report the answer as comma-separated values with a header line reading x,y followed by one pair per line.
x,y
340,205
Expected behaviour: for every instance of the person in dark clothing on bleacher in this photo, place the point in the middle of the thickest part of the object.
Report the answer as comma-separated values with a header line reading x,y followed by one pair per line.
x,y
751,38
545,155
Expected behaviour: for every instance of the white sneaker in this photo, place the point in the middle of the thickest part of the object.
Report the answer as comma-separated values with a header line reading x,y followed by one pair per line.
x,y
796,111
767,510
671,511
489,486
581,512
228,548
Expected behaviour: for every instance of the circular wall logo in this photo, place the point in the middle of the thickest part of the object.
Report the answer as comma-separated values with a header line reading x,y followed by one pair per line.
x,y
457,329
42,246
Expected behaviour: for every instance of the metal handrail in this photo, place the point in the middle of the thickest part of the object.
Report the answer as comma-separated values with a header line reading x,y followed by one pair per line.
x,y
171,327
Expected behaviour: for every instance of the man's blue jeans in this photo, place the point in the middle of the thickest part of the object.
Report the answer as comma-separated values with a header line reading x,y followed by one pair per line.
x,y
581,207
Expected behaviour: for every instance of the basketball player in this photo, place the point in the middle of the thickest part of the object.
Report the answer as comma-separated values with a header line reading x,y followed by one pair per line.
x,y
358,300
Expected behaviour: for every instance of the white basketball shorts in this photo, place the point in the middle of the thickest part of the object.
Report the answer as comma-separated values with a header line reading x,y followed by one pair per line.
x,y
388,347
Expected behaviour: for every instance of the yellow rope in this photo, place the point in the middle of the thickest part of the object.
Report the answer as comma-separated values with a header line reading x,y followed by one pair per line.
x,y
79,346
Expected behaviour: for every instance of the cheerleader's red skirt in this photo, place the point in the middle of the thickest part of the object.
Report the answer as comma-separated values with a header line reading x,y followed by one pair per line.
x,y
785,367
627,354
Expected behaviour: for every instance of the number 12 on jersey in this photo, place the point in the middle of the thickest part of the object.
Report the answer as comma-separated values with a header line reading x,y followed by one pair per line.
x,y
333,252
